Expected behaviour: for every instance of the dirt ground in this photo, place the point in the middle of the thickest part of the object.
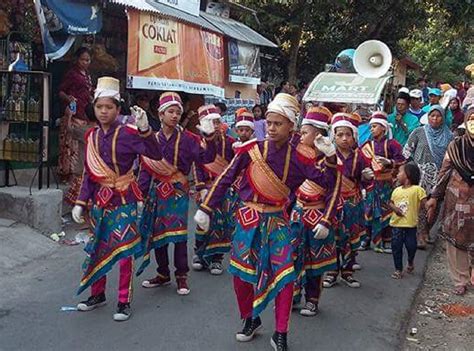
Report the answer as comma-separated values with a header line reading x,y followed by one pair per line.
x,y
440,320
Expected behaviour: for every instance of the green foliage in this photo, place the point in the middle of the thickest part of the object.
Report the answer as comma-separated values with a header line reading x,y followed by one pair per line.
x,y
327,27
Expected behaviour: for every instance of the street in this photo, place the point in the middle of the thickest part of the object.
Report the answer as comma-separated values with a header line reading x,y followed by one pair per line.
x,y
45,278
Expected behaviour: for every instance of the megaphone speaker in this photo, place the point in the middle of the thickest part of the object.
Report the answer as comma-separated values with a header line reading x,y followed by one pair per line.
x,y
372,59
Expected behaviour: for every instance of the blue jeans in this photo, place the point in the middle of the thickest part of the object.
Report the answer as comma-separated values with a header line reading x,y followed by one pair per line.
x,y
400,237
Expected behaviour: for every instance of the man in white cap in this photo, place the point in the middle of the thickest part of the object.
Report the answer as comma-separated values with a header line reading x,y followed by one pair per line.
x,y
416,98
110,191
262,254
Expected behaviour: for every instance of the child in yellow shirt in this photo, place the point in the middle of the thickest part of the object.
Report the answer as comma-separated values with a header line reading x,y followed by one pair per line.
x,y
405,204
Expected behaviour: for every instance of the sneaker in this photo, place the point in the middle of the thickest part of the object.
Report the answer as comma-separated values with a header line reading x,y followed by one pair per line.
x,y
350,281
123,312
387,250
309,310
159,280
183,288
356,266
363,246
197,263
278,342
92,303
329,281
216,268
251,327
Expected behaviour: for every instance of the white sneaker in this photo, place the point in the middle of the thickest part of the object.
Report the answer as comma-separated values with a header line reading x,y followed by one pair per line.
x,y
356,267
216,268
309,310
350,281
197,264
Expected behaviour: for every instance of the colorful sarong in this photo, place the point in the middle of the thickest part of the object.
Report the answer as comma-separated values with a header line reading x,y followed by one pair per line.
x,y
164,219
312,257
231,203
377,210
262,254
216,241
113,236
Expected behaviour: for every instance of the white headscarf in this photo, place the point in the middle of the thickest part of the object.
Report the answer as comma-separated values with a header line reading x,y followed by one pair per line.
x,y
285,105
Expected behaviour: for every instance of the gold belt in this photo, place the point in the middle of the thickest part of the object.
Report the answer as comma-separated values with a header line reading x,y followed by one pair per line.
x,y
120,183
319,205
264,208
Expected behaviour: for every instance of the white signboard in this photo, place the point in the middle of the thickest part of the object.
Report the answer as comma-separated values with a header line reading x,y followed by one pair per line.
x,y
188,6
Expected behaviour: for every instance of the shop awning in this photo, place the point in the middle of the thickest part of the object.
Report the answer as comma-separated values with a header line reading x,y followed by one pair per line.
x,y
345,88
153,6
238,30
221,25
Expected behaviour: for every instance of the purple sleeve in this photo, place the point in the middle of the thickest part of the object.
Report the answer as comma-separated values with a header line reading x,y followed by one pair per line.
x,y
145,144
362,163
223,182
144,180
200,177
395,150
86,191
206,154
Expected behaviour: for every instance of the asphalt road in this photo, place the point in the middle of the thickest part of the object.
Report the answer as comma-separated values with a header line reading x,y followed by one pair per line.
x,y
33,289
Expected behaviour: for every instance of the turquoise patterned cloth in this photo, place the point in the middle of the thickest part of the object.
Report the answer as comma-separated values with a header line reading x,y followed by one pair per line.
x,y
164,219
113,236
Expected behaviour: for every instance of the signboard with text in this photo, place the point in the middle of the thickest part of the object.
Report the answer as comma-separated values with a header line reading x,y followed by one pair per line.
x,y
244,62
164,54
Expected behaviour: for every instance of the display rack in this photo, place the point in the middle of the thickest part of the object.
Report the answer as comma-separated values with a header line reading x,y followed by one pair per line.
x,y
25,100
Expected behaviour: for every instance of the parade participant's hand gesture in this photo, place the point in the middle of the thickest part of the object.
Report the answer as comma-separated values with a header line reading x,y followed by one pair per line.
x,y
431,209
385,162
202,219
320,231
141,120
77,214
324,145
368,174
206,127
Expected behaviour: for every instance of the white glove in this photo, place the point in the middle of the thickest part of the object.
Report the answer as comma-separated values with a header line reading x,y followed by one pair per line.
x,y
203,194
141,120
368,174
383,161
325,145
140,206
236,144
77,214
206,127
202,219
364,194
320,231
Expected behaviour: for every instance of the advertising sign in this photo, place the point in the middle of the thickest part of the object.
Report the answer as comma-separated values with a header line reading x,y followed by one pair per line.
x,y
244,62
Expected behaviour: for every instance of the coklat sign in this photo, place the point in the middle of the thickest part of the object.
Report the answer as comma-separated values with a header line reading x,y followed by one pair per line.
x,y
164,54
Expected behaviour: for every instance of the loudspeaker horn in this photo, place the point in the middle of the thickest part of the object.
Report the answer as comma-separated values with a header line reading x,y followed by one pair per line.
x,y
372,59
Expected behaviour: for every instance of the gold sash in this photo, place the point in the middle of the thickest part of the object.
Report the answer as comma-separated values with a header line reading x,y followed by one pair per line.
x,y
348,187
265,182
164,171
310,191
98,169
217,166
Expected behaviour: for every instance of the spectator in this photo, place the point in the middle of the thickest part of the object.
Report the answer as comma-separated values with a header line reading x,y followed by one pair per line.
x,y
402,120
260,122
283,88
416,96
423,86
455,184
458,115
427,146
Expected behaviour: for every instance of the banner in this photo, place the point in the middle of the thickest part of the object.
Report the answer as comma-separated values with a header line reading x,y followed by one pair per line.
x,y
345,88
61,20
164,54
244,62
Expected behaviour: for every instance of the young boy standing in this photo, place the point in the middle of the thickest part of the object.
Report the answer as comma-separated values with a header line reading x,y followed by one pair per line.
x,y
109,184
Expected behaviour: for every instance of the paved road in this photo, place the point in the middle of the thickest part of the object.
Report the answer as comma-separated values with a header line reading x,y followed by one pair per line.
x,y
32,293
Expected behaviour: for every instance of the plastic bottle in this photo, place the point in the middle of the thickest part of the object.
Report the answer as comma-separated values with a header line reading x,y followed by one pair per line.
x,y
10,108
15,149
23,150
20,109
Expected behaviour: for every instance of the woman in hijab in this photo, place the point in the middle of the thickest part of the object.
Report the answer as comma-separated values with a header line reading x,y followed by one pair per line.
x,y
426,146
458,115
455,184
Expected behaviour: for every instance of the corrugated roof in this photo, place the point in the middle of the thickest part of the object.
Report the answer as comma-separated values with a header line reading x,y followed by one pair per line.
x,y
226,26
238,30
153,6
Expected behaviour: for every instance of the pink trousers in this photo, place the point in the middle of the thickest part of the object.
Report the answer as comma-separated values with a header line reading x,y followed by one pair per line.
x,y
283,303
125,281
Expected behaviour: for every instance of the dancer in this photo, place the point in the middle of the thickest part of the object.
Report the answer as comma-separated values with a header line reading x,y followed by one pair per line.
x,y
262,254
355,175
165,215
213,243
385,155
313,202
109,183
